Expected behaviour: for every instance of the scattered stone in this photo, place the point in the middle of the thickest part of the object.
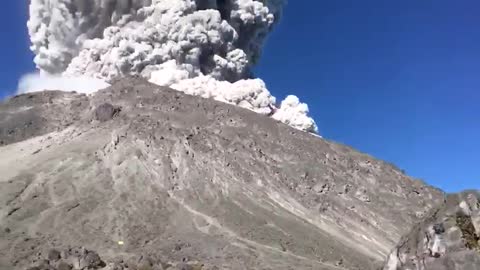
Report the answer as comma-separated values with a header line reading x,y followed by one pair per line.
x,y
54,255
64,266
105,112
439,228
45,265
91,260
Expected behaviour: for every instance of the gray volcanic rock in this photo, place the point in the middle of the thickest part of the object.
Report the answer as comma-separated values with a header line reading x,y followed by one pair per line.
x,y
156,172
28,115
447,240
82,258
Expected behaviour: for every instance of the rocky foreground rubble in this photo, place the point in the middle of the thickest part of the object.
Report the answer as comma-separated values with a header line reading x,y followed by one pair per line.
x,y
83,259
447,239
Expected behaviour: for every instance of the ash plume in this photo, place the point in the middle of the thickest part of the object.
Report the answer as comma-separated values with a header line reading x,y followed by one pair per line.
x,y
201,47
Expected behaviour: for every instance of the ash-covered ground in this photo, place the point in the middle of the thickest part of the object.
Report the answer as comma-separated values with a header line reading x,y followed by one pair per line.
x,y
219,185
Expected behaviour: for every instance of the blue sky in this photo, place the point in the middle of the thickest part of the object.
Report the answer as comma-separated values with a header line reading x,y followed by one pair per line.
x,y
396,79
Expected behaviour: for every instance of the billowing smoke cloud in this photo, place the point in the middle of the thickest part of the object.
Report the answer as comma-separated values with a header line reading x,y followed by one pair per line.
x,y
200,47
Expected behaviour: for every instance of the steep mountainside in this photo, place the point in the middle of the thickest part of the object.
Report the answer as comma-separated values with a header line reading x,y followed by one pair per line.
x,y
138,170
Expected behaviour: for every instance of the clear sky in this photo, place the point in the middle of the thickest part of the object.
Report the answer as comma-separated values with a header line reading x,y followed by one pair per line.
x,y
395,79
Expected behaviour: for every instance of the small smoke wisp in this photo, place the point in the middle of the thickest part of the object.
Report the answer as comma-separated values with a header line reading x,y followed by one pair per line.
x,y
36,82
200,47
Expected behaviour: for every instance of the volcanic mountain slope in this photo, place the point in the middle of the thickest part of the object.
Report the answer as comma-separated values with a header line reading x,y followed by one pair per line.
x,y
139,170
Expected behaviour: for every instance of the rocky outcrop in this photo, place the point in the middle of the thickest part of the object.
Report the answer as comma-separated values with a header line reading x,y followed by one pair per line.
x,y
192,179
447,240
79,258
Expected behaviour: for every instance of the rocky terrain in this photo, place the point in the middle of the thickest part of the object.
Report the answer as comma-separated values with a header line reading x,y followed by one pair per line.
x,y
139,176
447,239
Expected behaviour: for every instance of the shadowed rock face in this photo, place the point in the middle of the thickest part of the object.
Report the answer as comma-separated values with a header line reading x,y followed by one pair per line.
x,y
187,179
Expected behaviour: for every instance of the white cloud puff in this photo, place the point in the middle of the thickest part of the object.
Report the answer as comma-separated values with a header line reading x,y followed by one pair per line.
x,y
36,82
